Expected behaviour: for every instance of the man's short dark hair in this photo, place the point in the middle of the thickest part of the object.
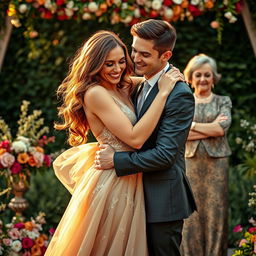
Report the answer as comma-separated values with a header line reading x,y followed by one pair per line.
x,y
161,32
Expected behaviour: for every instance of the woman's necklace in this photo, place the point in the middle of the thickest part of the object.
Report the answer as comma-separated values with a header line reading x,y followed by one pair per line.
x,y
203,100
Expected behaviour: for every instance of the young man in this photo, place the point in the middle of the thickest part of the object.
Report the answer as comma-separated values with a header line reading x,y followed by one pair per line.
x,y
168,197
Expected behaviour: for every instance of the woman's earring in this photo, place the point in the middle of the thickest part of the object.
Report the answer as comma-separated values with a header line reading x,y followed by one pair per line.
x,y
212,86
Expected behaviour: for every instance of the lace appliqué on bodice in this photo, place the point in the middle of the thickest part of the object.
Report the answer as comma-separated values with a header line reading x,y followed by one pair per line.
x,y
107,137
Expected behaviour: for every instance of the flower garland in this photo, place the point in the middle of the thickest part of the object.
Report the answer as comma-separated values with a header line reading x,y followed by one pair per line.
x,y
121,11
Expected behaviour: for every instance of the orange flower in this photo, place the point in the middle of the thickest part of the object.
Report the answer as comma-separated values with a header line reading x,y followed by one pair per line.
x,y
103,7
29,1
41,2
39,149
98,13
29,225
23,158
31,161
39,241
43,236
36,251
109,2
253,238
177,10
184,4
2,150
209,4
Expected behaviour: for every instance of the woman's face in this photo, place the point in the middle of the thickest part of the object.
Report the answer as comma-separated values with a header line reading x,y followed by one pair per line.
x,y
113,66
202,79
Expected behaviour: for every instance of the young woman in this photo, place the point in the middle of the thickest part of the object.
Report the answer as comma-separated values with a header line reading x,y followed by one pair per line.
x,y
106,214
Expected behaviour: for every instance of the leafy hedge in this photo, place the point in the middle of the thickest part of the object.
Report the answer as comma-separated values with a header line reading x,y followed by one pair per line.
x,y
33,70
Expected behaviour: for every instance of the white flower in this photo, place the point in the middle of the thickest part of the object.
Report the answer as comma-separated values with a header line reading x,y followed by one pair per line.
x,y
177,1
16,23
156,5
124,6
137,13
23,8
127,19
19,147
86,16
69,12
24,139
239,140
225,2
7,160
70,4
93,7
33,234
16,245
228,15
148,4
117,2
195,2
168,13
233,19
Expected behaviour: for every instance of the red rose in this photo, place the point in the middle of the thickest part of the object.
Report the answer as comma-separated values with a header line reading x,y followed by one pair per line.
x,y
27,242
194,11
252,230
60,2
143,12
47,15
168,2
239,6
19,225
5,144
16,168
47,160
51,231
153,14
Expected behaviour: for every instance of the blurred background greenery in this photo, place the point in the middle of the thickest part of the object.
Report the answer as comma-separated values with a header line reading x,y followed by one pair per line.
x,y
33,69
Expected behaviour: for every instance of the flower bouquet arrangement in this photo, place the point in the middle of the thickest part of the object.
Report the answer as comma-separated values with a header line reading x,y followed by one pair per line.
x,y
24,154
246,245
24,238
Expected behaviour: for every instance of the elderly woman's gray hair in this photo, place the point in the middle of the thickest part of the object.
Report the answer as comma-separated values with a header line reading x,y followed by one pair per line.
x,y
196,62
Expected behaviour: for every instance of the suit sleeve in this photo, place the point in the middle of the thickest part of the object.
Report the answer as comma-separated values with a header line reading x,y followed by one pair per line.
x,y
171,137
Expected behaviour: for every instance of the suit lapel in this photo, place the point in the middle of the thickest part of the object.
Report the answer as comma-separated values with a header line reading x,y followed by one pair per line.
x,y
135,95
149,99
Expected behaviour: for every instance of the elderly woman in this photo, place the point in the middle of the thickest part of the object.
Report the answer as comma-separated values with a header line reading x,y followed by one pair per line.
x,y
207,151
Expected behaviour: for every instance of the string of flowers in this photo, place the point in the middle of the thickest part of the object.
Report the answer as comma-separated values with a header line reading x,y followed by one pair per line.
x,y
120,11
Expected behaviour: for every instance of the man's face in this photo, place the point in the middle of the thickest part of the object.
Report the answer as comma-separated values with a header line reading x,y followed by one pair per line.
x,y
146,59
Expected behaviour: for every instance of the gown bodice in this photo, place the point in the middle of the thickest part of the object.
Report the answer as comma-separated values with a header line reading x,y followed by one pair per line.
x,y
106,137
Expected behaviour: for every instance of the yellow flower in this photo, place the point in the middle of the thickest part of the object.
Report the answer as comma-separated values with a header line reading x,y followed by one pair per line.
x,y
23,158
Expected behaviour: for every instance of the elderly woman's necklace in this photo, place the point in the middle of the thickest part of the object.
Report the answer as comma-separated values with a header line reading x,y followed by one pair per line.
x,y
203,100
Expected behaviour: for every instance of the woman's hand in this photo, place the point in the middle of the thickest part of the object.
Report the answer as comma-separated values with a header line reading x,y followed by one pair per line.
x,y
168,80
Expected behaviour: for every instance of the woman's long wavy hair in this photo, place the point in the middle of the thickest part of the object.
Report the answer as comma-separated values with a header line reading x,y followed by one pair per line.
x,y
83,73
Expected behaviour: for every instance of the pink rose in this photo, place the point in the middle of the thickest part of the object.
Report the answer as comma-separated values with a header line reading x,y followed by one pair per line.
x,y
7,159
238,228
243,241
16,168
252,230
19,225
39,158
14,233
47,160
27,242
7,241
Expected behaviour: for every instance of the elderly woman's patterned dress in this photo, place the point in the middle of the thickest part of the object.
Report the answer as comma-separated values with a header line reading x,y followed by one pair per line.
x,y
205,232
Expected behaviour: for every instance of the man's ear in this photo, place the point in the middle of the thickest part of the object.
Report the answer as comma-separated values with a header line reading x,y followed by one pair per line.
x,y
166,55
